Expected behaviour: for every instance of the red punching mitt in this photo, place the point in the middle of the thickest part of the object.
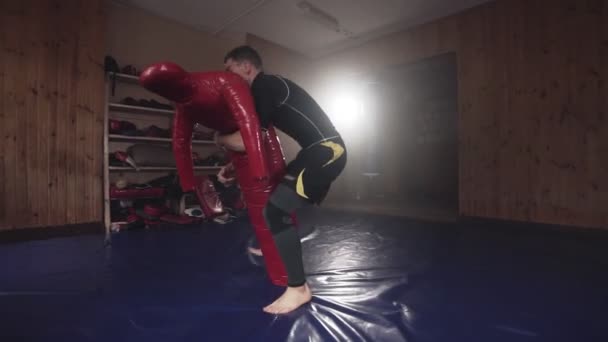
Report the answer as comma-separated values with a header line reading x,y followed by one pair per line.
x,y
208,197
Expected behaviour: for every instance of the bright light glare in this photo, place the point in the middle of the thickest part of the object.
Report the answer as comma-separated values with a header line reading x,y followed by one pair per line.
x,y
345,110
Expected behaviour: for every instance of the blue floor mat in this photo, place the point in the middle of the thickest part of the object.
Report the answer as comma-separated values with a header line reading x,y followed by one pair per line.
x,y
374,278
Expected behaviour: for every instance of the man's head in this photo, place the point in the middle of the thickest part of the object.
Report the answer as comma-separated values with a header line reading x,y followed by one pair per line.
x,y
245,62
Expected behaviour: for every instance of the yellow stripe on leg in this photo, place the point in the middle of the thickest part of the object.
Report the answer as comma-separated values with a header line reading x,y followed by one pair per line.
x,y
300,185
337,149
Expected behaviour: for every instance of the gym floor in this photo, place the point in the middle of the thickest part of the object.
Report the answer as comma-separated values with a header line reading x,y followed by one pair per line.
x,y
375,278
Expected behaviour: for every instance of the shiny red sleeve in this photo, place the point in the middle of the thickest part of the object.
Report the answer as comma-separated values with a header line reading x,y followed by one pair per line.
x,y
182,149
238,97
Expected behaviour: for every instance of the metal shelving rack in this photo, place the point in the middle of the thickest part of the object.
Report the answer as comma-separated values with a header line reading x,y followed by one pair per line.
x,y
112,107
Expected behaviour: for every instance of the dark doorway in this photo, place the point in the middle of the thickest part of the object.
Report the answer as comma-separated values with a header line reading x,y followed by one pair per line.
x,y
412,158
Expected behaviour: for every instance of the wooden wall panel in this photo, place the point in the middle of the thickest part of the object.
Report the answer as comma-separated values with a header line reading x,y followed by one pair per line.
x,y
9,51
58,52
3,118
599,181
51,112
92,39
20,162
510,160
59,143
29,124
533,102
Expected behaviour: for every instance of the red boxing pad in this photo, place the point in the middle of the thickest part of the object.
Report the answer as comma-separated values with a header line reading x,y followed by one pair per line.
x,y
208,197
115,126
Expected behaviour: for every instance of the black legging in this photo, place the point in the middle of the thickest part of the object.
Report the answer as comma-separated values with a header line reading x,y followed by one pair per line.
x,y
281,204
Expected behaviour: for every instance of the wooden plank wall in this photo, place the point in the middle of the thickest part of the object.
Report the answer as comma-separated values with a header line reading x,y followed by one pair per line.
x,y
51,112
533,99
535,106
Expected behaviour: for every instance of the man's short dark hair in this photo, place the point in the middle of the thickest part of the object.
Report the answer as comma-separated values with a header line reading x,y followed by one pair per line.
x,y
245,53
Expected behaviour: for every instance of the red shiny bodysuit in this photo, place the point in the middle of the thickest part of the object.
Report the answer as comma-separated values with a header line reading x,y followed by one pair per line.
x,y
222,101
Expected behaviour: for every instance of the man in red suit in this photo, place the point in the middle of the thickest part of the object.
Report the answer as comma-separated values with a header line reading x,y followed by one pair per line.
x,y
222,101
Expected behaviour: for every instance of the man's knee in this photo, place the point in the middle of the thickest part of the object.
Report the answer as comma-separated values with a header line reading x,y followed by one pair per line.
x,y
281,204
276,218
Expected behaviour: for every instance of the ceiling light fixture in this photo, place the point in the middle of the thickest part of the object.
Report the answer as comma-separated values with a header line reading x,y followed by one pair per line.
x,y
323,18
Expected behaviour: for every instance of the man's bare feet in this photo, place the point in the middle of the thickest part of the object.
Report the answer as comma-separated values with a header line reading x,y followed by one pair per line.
x,y
255,251
292,299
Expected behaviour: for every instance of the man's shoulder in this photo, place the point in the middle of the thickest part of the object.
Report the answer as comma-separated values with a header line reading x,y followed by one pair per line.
x,y
270,78
270,82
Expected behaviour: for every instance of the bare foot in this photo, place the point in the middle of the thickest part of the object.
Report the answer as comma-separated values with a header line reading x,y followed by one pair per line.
x,y
292,299
255,251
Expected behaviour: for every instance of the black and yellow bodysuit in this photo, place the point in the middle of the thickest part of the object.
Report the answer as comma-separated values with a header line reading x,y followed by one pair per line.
x,y
286,106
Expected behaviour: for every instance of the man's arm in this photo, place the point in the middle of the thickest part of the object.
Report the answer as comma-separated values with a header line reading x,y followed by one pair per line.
x,y
237,95
182,149
232,141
